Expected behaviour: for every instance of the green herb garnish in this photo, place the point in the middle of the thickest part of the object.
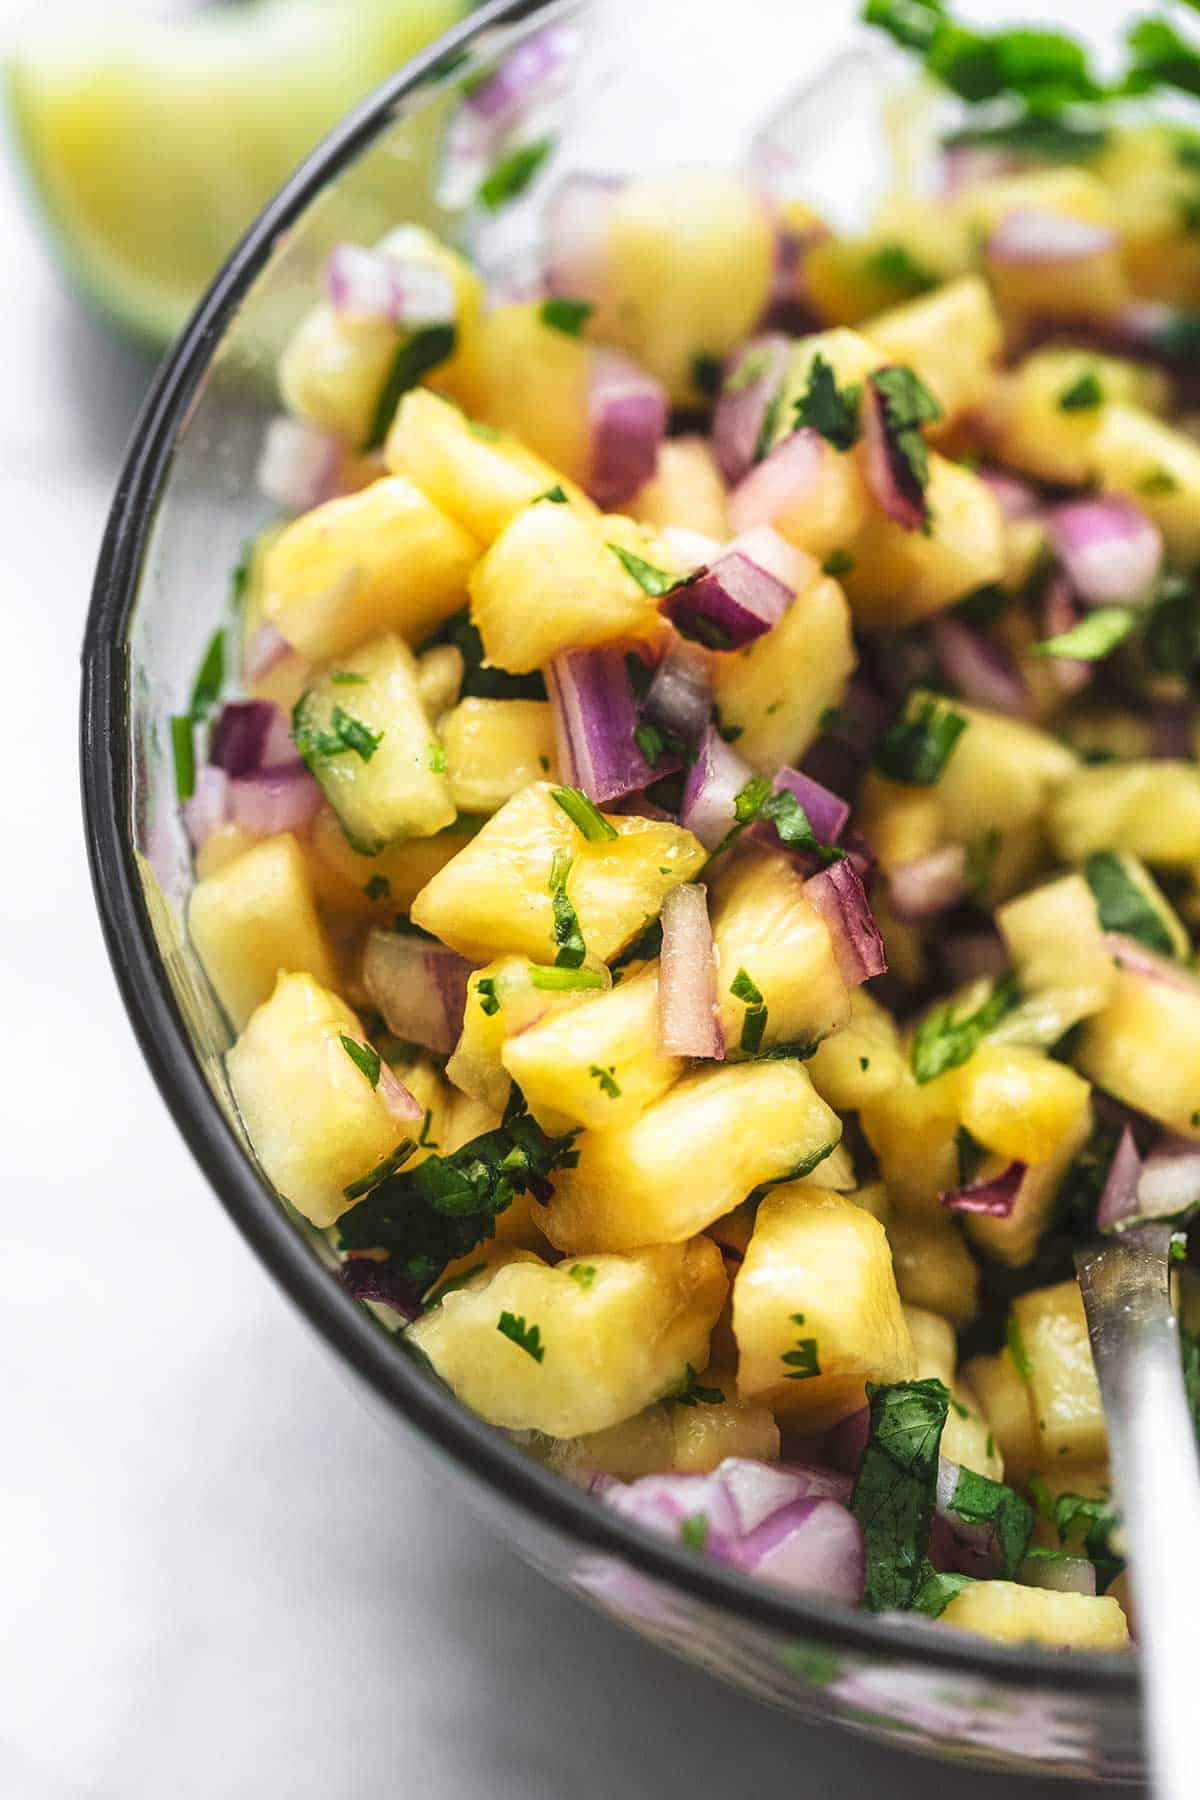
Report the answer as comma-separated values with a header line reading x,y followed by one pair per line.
x,y
893,1498
917,747
423,351
563,979
489,1000
556,495
1084,394
1022,1360
567,316
378,888
694,1531
691,1393
605,1078
1093,638
898,267
382,1170
210,676
526,1337
944,1040
824,407
508,179
583,1274
183,754
838,563
364,1058
978,1501
567,934
585,815
1123,906
802,1362
754,1022
652,581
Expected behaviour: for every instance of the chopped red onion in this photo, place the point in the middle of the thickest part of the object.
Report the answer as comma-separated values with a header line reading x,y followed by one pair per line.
x,y
208,806
983,671
372,285
687,978
1119,1196
274,800
576,223
813,1546
680,696
1111,552
826,812
664,1503
971,955
893,486
848,1440
755,1489
240,734
791,308
1060,1573
782,482
862,858
640,806
1173,728
1017,498
402,1105
714,781
1128,954
919,889
535,69
840,898
420,987
627,421
266,648
1170,1179
594,723
994,1198
1060,614
1032,239
366,1278
752,381
740,596
299,464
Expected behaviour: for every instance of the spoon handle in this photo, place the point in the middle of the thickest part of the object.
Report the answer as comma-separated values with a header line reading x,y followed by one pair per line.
x,y
1125,1282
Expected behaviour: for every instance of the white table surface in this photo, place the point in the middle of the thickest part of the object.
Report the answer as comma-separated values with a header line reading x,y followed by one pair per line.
x,y
220,1575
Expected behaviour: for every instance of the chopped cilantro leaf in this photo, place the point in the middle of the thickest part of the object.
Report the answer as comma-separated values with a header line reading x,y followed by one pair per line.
x,y
898,267
977,1501
416,355
556,495
567,935
1158,480
560,979
838,563
526,1337
1083,394
1093,638
567,316
691,1393
452,1286
425,1142
345,733
509,178
209,678
754,1022
489,1000
694,1531
781,809
364,1058
584,814
981,860
802,1362
893,1497
706,375
906,404
1123,906
347,678
183,752
482,681
943,1040
826,408
652,581
605,1078
583,1274
381,1171
936,1589
378,888
917,747
1172,637
1017,1350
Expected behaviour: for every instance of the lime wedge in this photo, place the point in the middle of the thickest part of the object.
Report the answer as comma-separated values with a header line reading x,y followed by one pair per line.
x,y
152,146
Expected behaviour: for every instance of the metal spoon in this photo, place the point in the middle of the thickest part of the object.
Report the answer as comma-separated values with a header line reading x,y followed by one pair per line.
x,y
1125,1282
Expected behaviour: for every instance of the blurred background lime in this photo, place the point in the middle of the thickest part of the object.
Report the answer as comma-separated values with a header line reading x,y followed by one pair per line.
x,y
151,143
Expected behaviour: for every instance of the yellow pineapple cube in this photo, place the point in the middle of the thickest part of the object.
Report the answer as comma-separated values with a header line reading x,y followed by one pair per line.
x,y
1054,940
502,1001
580,1347
1005,1400
1155,465
705,1434
815,1308
934,1268
376,886
862,1060
692,1156
912,1128
1064,1392
899,576
599,1065
553,581
439,678
765,926
1020,1103
384,559
1011,1614
775,690
901,822
494,748
643,1445
366,737
255,917
1035,432
316,1123
223,845
1002,773
952,338
1149,809
479,477
686,490
532,380
495,894
1013,1241
1144,1047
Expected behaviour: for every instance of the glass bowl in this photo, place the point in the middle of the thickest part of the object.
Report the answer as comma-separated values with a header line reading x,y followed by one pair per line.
x,y
185,504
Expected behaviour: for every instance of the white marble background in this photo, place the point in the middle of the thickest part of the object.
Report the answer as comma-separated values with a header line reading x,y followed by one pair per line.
x,y
220,1576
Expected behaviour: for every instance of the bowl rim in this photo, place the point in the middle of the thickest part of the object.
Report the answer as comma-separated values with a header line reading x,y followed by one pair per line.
x,y
477,1448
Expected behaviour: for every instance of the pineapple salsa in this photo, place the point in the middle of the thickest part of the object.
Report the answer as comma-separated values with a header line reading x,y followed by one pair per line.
x,y
702,869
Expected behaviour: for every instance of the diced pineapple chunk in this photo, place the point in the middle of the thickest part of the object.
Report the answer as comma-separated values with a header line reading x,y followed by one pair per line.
x,y
369,743
495,895
480,478
966,1437
1144,1048
1012,1614
912,1128
255,917
1057,948
316,1123
494,748
765,926
1151,809
902,823
553,581
686,490
850,355
899,576
532,379
1020,1103
952,338
689,256
598,1066
1156,466
1036,433
1005,1400
1014,1240
1002,773
934,1268
775,690
815,1308
1065,1395
706,1433
384,559
377,886
501,1002
643,1445
223,845
692,1156
439,678
609,1339
860,1061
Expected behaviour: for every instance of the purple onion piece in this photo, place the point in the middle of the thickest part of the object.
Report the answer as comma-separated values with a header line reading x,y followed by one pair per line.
x,y
827,813
240,734
266,648
274,800
714,781
627,421
595,719
1119,1197
208,806
299,465
920,889
534,71
1060,614
1110,551
983,671
375,285
1017,498
813,1546
679,698
781,484
970,955
838,895
420,988
993,1198
365,1278
1170,1179
1028,238
1128,954
687,978
576,222
889,476
752,379
756,1490
729,604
